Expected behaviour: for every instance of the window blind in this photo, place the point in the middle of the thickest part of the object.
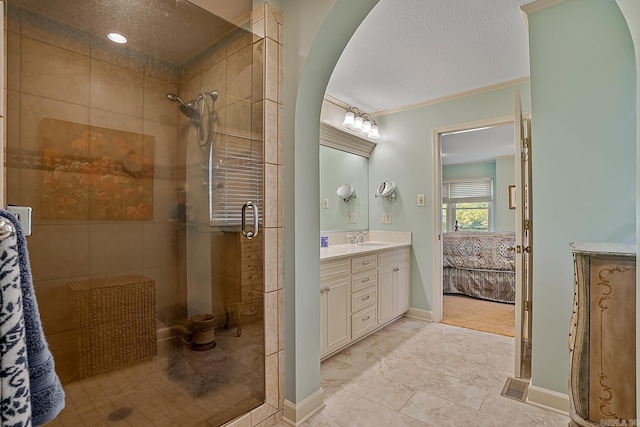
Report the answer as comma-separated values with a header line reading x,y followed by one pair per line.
x,y
467,190
236,178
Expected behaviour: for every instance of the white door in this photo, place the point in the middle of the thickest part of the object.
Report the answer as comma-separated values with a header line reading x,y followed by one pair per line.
x,y
524,241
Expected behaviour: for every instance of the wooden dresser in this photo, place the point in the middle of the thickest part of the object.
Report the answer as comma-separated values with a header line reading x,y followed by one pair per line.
x,y
602,336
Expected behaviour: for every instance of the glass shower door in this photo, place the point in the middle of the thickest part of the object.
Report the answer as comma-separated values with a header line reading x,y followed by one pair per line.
x,y
151,306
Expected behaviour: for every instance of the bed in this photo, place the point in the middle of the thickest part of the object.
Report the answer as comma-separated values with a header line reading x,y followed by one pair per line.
x,y
479,264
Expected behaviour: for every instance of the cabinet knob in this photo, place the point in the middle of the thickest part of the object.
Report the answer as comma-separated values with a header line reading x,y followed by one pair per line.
x,y
396,269
366,280
364,319
366,298
365,263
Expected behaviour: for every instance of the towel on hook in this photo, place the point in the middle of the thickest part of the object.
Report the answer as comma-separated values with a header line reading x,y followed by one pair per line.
x,y
15,405
47,395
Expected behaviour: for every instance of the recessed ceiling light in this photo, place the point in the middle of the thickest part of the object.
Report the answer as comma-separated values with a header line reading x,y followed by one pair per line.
x,y
118,38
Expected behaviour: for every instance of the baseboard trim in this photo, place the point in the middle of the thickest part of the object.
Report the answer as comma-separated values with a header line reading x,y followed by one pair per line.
x,y
296,414
548,399
418,313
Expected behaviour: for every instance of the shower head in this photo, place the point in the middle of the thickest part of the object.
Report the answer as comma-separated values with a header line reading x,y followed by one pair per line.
x,y
174,98
188,109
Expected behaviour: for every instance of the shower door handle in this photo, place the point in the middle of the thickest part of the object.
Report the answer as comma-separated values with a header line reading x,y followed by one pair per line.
x,y
250,234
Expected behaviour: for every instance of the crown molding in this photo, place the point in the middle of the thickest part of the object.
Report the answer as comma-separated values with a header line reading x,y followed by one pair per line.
x,y
502,85
452,97
538,5
333,137
336,101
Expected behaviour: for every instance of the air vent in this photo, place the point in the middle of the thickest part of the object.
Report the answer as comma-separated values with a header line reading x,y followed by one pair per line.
x,y
515,389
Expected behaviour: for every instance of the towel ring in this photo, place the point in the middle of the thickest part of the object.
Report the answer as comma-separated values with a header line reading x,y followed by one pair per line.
x,y
5,229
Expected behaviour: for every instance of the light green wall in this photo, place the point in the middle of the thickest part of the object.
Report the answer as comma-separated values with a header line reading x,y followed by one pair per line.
x,y
631,11
316,32
470,170
583,98
505,218
404,154
336,168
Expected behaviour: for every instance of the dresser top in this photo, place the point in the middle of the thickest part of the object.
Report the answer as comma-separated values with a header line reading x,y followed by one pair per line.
x,y
619,249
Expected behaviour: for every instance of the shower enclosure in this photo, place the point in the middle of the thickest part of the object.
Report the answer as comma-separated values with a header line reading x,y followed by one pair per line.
x,y
144,165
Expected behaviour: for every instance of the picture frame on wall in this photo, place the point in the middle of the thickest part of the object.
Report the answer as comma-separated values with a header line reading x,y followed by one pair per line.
x,y
512,197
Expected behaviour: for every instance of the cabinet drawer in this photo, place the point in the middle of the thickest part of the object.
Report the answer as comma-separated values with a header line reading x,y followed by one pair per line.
x,y
363,299
364,280
393,255
334,268
362,263
363,322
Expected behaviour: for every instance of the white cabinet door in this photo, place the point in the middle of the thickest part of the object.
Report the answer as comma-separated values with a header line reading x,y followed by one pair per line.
x,y
336,314
393,284
385,293
401,288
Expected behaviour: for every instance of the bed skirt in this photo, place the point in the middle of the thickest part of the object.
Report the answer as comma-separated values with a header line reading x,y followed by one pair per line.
x,y
491,285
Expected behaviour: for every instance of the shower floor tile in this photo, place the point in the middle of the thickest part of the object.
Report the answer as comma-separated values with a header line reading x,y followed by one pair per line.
x,y
178,387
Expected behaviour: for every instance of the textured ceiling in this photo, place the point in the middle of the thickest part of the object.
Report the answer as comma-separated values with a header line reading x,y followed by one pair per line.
x,y
412,51
172,31
478,146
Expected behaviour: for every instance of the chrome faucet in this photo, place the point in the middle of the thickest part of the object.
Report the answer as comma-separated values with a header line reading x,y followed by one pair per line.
x,y
357,237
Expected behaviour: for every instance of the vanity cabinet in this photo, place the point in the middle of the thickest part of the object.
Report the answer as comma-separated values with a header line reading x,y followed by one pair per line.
x,y
335,304
364,294
393,284
356,289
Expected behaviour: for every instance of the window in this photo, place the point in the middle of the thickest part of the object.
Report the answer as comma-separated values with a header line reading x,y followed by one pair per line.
x,y
236,178
468,204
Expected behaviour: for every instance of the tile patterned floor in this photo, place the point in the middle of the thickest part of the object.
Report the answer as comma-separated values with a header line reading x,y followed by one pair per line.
x,y
416,373
178,387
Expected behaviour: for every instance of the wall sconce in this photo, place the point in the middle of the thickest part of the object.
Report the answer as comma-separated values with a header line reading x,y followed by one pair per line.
x,y
361,122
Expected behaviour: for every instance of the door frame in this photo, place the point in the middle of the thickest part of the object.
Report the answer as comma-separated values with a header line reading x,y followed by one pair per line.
x,y
436,140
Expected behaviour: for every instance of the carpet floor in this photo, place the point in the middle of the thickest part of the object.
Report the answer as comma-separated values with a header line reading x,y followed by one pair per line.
x,y
481,315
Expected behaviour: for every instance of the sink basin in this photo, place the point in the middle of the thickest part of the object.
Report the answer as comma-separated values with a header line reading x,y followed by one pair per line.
x,y
373,244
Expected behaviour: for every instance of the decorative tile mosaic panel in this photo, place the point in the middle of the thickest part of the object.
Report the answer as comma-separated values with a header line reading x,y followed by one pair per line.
x,y
95,173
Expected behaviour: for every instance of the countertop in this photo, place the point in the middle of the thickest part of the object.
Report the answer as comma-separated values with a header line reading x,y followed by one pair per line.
x,y
337,251
620,249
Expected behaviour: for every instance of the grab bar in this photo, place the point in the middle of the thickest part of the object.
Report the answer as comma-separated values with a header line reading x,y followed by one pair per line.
x,y
250,234
6,228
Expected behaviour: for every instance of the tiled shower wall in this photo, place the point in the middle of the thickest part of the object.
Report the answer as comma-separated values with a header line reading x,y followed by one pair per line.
x,y
267,22
50,76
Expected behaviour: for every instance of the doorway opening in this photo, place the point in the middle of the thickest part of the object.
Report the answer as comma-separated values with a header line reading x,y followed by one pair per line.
x,y
461,162
477,225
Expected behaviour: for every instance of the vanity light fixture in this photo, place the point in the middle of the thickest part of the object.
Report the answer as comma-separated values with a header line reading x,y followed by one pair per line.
x,y
117,38
361,122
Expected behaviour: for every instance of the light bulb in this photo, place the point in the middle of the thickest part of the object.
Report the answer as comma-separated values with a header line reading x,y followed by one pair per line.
x,y
117,38
348,119
373,133
366,126
357,124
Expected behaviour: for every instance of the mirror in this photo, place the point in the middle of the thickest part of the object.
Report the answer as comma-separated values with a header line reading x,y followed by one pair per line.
x,y
387,190
346,192
343,173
